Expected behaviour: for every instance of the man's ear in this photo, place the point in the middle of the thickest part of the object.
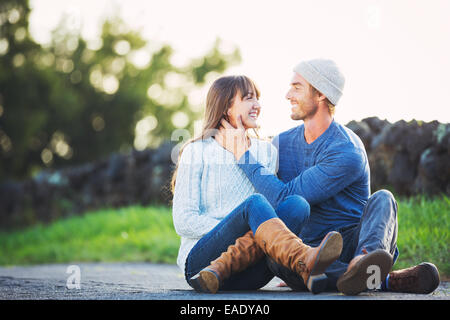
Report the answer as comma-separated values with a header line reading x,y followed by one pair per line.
x,y
321,97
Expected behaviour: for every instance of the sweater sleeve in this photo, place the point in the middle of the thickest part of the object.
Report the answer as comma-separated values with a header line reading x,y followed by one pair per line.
x,y
267,153
187,218
322,181
273,159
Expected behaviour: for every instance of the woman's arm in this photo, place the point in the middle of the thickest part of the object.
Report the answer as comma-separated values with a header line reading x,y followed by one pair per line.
x,y
187,220
273,156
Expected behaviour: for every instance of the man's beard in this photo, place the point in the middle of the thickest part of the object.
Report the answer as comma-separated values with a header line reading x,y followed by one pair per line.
x,y
305,111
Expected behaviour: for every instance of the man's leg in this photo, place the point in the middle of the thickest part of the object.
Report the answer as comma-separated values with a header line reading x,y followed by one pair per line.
x,y
379,224
376,235
377,229
423,278
350,236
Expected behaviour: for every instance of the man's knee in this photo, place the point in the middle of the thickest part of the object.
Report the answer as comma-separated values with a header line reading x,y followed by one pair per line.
x,y
384,195
382,201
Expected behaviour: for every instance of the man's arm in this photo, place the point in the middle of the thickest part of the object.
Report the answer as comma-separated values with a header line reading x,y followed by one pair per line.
x,y
316,184
338,169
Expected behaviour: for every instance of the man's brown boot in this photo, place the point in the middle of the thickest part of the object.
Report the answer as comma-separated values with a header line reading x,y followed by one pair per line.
x,y
354,280
238,257
287,249
423,278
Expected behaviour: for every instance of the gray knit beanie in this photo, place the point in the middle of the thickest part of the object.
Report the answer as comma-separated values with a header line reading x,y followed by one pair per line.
x,y
324,75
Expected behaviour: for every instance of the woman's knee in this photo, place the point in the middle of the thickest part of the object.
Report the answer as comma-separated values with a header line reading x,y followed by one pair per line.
x,y
257,197
294,212
295,206
258,200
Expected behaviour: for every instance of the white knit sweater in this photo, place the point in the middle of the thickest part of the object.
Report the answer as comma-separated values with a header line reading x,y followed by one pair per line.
x,y
209,185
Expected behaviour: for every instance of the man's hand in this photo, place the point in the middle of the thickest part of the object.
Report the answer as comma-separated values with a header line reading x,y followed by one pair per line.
x,y
233,139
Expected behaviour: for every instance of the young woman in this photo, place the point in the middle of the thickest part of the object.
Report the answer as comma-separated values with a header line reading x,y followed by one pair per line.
x,y
226,228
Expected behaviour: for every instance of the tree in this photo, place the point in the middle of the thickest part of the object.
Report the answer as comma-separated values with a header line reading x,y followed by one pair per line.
x,y
75,101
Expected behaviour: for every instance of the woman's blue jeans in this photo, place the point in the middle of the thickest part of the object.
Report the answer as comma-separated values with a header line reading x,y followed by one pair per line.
x,y
293,211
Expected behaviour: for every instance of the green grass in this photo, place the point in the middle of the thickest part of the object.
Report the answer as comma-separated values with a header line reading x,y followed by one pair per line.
x,y
147,234
423,232
128,234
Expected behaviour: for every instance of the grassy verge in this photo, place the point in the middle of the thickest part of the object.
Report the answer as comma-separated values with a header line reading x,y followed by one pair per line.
x,y
147,234
127,234
423,232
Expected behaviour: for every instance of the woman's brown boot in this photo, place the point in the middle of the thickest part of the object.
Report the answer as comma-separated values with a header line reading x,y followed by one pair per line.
x,y
238,257
287,249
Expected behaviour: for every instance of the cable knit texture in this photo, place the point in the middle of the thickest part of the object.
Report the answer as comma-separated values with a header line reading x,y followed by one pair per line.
x,y
209,186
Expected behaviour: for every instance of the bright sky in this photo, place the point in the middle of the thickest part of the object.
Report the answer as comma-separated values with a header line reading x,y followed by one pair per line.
x,y
395,55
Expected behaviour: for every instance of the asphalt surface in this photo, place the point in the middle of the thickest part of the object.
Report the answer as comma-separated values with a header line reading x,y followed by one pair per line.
x,y
145,281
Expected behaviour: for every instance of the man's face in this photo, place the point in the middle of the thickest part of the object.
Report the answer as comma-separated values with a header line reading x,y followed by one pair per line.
x,y
301,98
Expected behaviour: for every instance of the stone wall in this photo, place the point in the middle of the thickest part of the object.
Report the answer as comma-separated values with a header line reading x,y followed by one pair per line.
x,y
407,158
141,177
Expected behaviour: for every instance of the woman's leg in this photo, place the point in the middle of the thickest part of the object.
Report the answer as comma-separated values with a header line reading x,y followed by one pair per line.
x,y
275,240
247,216
294,212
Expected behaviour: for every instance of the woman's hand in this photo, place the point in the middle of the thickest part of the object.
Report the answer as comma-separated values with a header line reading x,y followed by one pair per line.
x,y
233,139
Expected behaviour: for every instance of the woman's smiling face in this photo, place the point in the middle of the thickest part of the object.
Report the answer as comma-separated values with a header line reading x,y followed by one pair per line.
x,y
247,106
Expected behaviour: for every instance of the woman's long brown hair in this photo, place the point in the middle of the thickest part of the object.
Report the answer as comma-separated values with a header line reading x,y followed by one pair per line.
x,y
219,99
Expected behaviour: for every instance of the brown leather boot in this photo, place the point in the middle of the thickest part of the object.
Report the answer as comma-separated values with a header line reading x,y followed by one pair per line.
x,y
354,280
287,249
423,278
239,256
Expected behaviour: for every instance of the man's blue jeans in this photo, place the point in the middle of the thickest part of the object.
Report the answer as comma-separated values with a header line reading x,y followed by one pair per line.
x,y
377,229
293,211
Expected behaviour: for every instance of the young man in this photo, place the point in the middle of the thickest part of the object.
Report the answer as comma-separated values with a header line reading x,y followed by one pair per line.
x,y
326,163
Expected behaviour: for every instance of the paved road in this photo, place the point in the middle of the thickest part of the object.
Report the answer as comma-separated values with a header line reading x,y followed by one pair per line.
x,y
143,281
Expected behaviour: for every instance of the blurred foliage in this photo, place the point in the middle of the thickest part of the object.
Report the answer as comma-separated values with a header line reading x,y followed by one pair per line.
x,y
74,100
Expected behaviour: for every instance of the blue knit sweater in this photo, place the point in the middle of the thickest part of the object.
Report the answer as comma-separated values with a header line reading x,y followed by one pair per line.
x,y
331,173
